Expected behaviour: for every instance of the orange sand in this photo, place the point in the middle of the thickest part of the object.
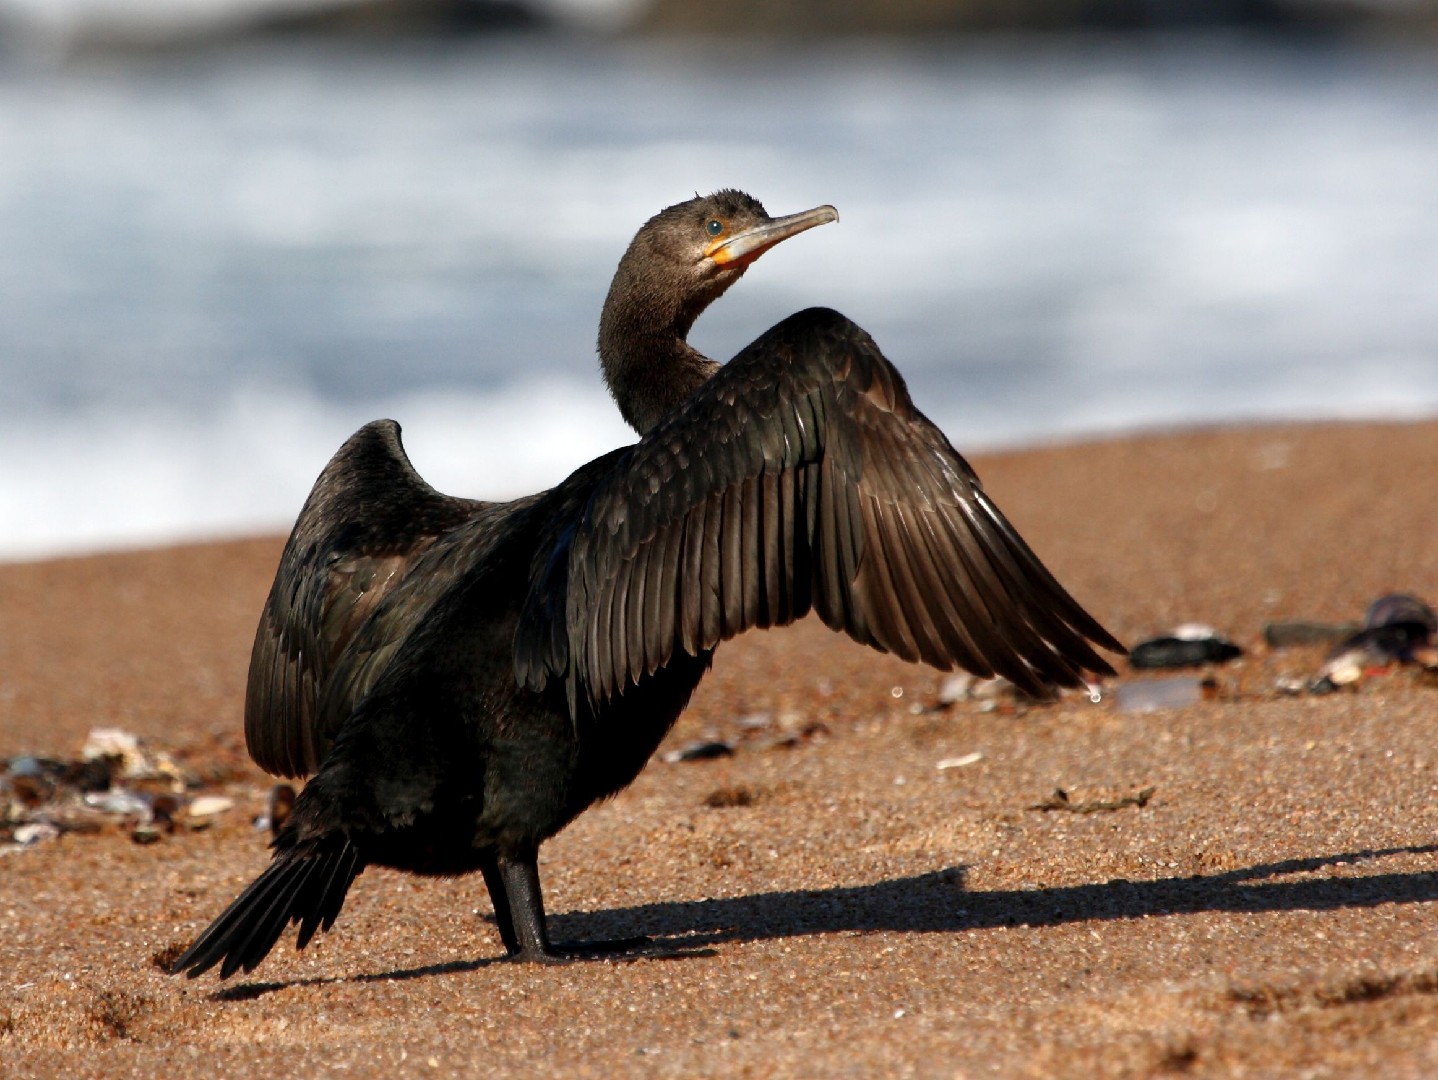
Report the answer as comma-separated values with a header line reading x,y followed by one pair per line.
x,y
849,908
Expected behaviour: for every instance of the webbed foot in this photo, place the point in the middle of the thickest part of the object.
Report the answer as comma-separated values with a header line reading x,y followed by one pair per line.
x,y
561,952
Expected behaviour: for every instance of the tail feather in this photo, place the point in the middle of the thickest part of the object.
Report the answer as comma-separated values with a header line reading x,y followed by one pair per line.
x,y
263,925
303,884
330,896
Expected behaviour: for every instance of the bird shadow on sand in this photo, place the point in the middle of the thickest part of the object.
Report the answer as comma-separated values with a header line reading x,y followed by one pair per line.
x,y
655,950
939,902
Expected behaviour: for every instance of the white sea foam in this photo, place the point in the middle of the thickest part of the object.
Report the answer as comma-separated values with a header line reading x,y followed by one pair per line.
x,y
106,480
87,483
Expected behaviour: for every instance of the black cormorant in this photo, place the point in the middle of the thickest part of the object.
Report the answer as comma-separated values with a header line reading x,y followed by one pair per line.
x,y
461,679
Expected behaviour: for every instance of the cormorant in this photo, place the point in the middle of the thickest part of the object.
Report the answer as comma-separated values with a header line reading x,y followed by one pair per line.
x,y
463,678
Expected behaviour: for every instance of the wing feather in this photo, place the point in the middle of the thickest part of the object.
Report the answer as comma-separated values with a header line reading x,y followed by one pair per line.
x,y
736,568
710,545
1047,621
952,613
689,580
876,580
367,519
799,478
660,588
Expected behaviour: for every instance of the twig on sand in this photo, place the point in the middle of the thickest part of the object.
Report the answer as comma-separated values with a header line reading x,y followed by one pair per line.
x,y
1060,800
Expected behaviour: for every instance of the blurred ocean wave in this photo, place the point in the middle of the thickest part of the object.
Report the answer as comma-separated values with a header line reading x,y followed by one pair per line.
x,y
214,265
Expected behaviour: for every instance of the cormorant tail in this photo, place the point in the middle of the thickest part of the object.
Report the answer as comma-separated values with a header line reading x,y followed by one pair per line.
x,y
304,884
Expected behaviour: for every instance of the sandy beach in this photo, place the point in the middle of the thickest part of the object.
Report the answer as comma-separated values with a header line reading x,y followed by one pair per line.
x,y
868,885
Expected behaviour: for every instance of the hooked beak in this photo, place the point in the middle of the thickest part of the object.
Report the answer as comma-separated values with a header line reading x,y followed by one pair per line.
x,y
739,250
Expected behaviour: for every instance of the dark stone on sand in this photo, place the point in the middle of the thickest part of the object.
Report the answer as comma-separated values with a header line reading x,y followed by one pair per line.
x,y
1182,652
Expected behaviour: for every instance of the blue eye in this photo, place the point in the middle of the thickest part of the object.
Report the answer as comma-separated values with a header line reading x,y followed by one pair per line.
x,y
715,227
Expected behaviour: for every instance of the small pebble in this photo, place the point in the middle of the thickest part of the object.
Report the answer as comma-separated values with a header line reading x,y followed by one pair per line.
x,y
163,810
812,730
1400,609
704,750
119,802
121,747
34,832
992,689
30,789
955,688
1189,645
281,803
959,762
209,806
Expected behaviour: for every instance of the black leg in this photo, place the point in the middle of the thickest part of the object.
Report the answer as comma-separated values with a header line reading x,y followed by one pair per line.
x,y
526,906
503,917
520,879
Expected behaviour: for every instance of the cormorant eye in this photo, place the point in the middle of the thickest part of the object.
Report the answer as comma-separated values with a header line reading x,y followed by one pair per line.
x,y
715,227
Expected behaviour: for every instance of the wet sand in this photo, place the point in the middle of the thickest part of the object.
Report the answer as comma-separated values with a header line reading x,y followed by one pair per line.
x,y
827,901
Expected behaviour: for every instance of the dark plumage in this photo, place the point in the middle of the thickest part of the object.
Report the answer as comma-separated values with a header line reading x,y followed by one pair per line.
x,y
463,678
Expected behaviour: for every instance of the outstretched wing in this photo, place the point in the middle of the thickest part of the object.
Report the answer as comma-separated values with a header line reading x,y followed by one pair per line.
x,y
367,519
800,477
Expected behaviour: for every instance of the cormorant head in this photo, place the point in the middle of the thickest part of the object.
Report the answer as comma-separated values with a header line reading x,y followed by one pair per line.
x,y
679,263
709,241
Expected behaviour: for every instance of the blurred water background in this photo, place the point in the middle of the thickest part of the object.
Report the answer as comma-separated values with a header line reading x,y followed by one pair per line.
x,y
219,257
